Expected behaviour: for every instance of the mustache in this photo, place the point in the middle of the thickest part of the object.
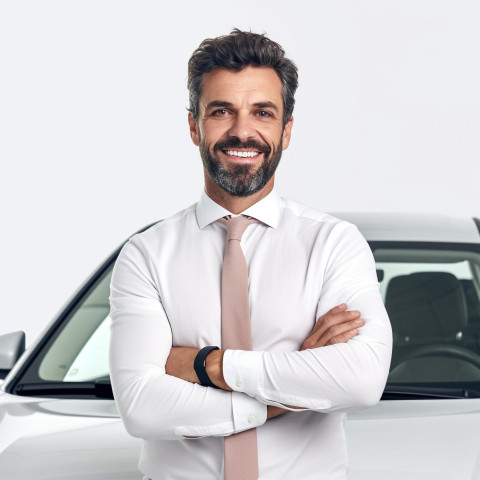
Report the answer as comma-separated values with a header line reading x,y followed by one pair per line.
x,y
234,142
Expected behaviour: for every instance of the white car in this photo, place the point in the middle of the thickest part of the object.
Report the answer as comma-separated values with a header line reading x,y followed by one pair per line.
x,y
58,419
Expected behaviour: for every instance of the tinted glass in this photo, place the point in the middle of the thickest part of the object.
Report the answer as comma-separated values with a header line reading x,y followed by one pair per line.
x,y
433,300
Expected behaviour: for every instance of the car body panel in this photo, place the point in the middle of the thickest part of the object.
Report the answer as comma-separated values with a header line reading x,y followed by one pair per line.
x,y
50,439
413,227
415,440
47,439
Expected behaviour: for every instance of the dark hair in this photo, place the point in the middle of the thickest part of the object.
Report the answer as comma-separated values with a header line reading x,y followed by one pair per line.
x,y
234,52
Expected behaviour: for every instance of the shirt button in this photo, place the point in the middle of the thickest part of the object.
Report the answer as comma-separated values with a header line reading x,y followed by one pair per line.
x,y
239,384
251,419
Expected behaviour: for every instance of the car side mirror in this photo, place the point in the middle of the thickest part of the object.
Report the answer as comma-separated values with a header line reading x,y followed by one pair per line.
x,y
12,345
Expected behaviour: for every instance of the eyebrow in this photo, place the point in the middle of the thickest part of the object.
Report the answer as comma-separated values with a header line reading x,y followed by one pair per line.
x,y
224,104
218,103
266,105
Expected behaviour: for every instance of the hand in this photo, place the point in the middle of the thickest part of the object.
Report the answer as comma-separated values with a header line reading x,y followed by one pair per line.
x,y
338,325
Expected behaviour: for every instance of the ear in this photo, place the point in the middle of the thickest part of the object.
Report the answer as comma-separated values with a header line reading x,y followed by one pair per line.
x,y
194,133
287,132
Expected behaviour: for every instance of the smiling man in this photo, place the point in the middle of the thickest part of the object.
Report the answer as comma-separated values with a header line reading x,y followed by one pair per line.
x,y
243,368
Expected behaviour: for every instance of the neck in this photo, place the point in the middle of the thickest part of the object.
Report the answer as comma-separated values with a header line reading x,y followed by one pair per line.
x,y
233,203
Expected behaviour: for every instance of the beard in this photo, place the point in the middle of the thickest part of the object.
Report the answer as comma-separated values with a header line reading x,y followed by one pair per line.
x,y
240,180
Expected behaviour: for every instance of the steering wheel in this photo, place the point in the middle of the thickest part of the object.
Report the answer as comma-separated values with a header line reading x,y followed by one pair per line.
x,y
442,350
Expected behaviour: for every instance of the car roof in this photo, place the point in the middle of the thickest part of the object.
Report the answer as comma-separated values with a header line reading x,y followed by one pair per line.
x,y
414,227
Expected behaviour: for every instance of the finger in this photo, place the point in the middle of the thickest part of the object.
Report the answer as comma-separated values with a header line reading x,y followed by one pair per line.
x,y
344,337
328,321
340,329
320,339
333,311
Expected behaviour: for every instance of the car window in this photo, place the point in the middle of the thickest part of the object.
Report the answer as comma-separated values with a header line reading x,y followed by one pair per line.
x,y
433,301
92,360
80,350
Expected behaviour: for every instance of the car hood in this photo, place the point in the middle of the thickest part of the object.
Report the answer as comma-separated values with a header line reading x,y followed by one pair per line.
x,y
53,439
415,439
50,439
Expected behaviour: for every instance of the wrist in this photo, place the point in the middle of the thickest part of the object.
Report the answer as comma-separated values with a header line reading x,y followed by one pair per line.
x,y
214,369
199,365
273,411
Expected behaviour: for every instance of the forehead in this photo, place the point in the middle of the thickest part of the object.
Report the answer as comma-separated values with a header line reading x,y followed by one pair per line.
x,y
249,85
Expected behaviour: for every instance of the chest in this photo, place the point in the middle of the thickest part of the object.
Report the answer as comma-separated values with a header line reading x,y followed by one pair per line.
x,y
284,289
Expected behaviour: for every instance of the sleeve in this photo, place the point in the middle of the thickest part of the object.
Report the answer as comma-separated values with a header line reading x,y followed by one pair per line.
x,y
339,377
151,403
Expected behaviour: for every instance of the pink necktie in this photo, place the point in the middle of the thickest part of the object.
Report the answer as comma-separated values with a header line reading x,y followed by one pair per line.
x,y
240,450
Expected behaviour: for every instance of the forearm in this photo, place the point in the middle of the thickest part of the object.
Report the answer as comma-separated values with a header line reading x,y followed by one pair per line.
x,y
152,403
336,378
310,379
214,369
180,365
339,377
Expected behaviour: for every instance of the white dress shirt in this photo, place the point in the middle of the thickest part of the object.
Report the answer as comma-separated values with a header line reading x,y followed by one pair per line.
x,y
165,292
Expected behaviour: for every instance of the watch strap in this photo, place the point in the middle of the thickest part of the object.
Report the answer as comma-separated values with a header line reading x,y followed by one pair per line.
x,y
199,366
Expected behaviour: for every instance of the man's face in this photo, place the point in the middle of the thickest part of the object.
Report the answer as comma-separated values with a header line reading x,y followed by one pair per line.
x,y
239,130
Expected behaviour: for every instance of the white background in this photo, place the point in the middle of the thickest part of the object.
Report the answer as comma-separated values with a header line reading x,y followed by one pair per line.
x,y
94,138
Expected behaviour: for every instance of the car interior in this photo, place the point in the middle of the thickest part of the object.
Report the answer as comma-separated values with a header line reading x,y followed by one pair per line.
x,y
434,309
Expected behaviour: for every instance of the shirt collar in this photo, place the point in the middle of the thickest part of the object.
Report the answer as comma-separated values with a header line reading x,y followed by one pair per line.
x,y
267,210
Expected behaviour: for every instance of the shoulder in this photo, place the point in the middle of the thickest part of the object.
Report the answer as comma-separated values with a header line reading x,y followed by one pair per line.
x,y
168,230
308,217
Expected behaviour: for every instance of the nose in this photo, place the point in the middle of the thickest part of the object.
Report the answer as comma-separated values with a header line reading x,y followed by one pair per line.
x,y
242,127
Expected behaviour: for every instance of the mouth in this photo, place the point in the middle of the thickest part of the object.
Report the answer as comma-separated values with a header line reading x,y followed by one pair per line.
x,y
242,153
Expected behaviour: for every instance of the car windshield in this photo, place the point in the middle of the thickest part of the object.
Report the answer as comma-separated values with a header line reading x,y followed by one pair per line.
x,y
431,292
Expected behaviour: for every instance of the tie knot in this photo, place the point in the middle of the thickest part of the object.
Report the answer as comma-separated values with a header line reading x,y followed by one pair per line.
x,y
237,225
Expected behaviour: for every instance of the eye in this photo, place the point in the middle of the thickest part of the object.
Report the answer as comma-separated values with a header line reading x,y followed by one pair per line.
x,y
264,114
221,112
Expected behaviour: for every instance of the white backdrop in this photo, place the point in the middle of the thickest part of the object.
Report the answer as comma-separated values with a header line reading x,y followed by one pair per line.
x,y
94,138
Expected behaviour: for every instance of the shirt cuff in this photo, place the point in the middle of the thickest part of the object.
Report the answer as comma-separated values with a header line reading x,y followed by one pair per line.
x,y
247,412
241,370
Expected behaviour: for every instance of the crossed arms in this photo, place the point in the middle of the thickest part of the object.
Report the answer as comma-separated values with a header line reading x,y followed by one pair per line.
x,y
338,325
157,391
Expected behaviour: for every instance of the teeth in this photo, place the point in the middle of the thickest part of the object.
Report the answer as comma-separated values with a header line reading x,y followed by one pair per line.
x,y
241,154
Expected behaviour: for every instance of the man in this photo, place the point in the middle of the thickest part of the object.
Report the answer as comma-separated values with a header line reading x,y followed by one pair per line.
x,y
302,375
